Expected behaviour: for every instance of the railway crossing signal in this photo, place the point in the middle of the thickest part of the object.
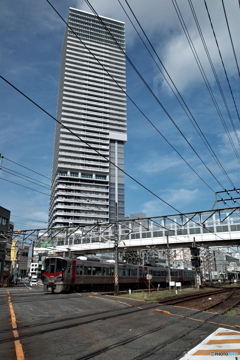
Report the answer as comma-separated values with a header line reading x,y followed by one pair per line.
x,y
195,259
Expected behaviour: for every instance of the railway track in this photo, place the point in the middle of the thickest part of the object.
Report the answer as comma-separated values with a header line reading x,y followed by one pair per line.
x,y
229,303
220,301
183,298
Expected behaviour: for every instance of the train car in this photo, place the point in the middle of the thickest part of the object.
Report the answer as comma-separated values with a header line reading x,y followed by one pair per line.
x,y
64,274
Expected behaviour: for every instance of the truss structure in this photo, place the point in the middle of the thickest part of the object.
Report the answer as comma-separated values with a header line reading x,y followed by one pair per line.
x,y
187,224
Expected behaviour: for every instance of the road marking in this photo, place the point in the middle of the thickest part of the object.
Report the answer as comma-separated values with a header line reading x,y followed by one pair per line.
x,y
221,343
17,343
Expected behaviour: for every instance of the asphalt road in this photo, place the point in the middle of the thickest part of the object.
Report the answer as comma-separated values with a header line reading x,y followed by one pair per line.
x,y
77,326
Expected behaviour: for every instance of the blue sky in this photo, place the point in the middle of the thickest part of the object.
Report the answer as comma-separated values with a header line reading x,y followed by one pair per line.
x,y
31,41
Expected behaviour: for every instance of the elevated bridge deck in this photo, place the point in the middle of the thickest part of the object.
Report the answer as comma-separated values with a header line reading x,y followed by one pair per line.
x,y
219,227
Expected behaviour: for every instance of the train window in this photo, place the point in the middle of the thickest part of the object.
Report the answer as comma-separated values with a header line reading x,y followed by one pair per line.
x,y
69,267
105,271
87,270
111,271
140,272
97,271
46,265
123,272
50,265
79,270
61,265
133,272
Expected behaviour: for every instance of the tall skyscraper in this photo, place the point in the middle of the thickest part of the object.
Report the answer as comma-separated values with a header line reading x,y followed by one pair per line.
x,y
86,184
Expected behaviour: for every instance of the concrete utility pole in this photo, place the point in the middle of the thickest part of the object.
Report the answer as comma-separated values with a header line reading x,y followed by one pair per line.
x,y
116,284
168,260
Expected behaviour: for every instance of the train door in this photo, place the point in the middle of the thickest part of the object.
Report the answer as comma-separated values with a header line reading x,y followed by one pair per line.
x,y
73,273
180,275
143,270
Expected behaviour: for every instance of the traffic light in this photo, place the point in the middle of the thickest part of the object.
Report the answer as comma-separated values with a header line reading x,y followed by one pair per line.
x,y
195,251
195,260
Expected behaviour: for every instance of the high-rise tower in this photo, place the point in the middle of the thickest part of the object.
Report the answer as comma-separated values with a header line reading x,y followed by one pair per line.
x,y
92,104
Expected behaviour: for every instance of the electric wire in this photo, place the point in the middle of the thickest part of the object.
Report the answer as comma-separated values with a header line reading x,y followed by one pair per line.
x,y
24,186
128,175
182,22
120,86
85,142
3,167
186,108
224,68
90,147
152,93
27,219
230,35
24,177
3,157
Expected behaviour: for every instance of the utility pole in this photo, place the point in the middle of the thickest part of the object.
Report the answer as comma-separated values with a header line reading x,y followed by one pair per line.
x,y
168,260
116,284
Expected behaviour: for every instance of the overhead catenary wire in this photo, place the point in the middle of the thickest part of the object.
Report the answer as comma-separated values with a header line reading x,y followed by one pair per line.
x,y
203,74
185,107
223,65
14,162
24,186
27,219
128,175
94,150
84,141
151,91
24,177
230,35
125,91
120,169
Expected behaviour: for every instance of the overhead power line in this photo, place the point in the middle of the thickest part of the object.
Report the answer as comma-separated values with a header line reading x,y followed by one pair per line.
x,y
26,178
24,186
203,74
225,72
3,157
151,92
125,91
230,35
85,142
27,219
90,146
183,103
131,177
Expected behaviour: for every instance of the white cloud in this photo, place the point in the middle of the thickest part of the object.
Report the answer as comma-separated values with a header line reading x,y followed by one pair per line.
x,y
157,164
179,197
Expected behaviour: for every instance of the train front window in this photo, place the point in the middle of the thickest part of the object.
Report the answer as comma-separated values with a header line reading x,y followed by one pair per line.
x,y
61,265
50,265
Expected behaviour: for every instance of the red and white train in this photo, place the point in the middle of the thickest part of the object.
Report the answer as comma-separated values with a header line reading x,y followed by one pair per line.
x,y
64,274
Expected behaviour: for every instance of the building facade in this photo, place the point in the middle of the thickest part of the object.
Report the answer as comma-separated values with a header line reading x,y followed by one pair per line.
x,y
87,181
6,228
